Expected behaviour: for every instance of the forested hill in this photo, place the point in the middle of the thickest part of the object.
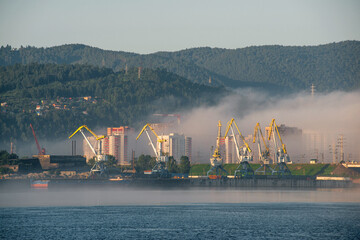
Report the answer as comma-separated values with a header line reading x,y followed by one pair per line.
x,y
58,98
334,66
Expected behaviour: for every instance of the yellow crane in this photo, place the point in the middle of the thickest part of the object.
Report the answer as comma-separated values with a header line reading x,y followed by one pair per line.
x,y
216,160
161,160
244,154
281,156
264,155
273,128
99,166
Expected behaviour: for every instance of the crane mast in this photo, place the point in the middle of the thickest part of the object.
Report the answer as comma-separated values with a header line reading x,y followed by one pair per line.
x,y
281,156
216,160
100,159
264,155
244,155
161,160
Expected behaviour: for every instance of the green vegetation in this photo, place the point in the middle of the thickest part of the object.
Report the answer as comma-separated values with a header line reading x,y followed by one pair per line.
x,y
330,67
307,169
184,166
146,162
5,157
56,99
199,169
328,170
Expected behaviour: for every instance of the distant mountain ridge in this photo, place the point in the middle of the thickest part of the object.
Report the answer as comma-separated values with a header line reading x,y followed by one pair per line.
x,y
334,66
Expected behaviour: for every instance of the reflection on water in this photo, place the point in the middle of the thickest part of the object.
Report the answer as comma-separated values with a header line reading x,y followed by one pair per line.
x,y
114,196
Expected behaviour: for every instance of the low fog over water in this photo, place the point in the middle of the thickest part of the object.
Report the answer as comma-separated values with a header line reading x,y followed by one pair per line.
x,y
115,196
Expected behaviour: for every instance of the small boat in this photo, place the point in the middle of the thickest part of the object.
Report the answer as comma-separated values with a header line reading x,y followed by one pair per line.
x,y
39,184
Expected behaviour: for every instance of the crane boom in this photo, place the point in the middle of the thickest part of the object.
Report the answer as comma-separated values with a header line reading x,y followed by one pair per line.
x,y
99,166
244,168
158,139
147,133
274,126
86,139
232,121
161,160
256,130
41,151
86,127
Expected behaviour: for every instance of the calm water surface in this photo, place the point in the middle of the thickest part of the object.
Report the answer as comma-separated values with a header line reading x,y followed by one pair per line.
x,y
185,214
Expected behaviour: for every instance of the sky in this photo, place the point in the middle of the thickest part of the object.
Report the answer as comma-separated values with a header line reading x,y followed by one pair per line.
x,y
144,26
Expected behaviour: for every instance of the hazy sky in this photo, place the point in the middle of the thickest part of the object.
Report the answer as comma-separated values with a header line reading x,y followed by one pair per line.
x,y
167,25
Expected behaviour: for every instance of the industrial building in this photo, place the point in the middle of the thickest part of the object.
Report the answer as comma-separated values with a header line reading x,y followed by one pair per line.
x,y
62,162
176,145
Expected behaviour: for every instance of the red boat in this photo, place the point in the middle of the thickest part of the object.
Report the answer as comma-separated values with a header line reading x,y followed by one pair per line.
x,y
40,184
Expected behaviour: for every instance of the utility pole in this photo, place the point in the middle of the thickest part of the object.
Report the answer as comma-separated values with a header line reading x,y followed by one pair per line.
x,y
341,145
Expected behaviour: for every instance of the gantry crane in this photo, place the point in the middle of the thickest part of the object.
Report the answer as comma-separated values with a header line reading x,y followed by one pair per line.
x,y
99,168
264,155
161,160
281,156
41,151
216,160
244,154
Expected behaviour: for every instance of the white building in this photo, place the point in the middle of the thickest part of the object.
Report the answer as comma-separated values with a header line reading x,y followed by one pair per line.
x,y
176,145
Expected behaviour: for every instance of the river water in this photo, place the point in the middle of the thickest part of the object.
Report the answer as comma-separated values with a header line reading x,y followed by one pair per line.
x,y
180,214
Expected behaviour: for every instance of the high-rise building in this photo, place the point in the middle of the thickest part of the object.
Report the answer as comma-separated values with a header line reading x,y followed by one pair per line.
x,y
176,145
230,150
116,143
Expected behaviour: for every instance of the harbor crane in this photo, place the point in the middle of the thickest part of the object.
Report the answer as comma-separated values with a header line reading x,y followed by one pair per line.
x,y
216,160
41,151
161,160
244,154
281,156
99,168
264,155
